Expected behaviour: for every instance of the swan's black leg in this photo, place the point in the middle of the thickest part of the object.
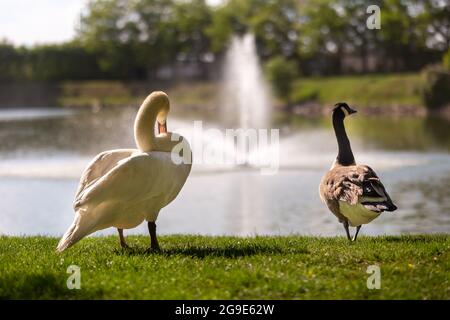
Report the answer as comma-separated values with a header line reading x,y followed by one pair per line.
x,y
123,244
356,234
345,223
153,240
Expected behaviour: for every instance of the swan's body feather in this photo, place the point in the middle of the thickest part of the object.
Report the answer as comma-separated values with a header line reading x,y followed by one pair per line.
x,y
98,167
122,188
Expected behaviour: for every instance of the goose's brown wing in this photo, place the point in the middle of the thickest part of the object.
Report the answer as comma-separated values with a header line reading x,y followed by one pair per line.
x,y
345,183
353,184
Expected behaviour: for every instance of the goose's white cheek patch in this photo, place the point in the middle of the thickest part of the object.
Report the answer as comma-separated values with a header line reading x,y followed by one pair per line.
x,y
345,111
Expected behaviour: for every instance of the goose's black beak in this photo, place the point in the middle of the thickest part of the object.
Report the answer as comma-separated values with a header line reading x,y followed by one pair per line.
x,y
392,207
351,111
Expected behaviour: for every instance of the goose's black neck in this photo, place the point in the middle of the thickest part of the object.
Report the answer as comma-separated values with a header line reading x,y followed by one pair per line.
x,y
345,155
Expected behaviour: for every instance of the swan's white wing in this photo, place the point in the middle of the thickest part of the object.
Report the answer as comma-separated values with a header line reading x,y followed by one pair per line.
x,y
135,187
99,166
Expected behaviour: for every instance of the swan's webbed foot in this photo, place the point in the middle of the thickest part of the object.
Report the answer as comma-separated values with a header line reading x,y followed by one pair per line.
x,y
153,250
154,245
123,243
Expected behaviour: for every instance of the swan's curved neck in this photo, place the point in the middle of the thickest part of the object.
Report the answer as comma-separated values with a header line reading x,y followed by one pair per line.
x,y
154,109
345,155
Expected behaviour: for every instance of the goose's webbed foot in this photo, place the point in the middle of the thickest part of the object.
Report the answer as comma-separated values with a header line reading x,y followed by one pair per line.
x,y
356,234
347,231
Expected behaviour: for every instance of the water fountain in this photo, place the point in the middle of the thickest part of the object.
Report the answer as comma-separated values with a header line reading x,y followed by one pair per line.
x,y
246,104
245,95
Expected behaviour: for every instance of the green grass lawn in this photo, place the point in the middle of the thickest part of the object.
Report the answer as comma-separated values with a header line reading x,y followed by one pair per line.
x,y
199,267
377,90
120,93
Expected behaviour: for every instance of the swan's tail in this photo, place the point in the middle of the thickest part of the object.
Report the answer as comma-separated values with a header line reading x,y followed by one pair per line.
x,y
75,233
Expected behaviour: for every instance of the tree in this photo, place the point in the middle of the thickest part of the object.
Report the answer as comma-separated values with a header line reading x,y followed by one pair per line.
x,y
322,35
134,39
436,15
274,23
11,62
191,20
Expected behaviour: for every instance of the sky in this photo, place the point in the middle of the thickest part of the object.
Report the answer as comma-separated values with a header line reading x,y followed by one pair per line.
x,y
29,22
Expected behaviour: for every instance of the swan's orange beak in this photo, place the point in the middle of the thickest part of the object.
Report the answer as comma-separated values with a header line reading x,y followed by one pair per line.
x,y
162,128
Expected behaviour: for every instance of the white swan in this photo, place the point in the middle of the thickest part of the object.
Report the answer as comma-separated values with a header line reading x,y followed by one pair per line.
x,y
121,188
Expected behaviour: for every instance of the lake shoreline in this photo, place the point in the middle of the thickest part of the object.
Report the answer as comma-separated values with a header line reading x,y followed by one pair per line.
x,y
396,111
312,96
305,109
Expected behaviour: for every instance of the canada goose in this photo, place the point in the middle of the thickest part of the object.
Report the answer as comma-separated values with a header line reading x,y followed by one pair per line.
x,y
353,193
121,188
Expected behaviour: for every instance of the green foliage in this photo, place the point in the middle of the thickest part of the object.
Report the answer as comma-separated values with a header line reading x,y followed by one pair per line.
x,y
274,23
276,28
135,39
436,86
376,90
199,267
61,62
132,39
11,62
47,63
281,73
446,60
331,29
227,20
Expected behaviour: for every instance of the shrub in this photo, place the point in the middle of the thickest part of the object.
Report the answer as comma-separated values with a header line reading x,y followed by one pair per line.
x,y
436,86
446,60
281,74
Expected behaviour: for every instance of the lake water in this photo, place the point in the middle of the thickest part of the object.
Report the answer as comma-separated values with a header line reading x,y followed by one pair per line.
x,y
44,151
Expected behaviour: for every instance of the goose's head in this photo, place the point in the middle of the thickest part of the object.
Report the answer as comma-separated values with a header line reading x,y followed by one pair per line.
x,y
342,109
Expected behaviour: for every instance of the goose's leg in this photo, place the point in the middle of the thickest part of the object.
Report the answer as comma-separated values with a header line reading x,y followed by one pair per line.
x,y
345,223
153,240
123,244
356,234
